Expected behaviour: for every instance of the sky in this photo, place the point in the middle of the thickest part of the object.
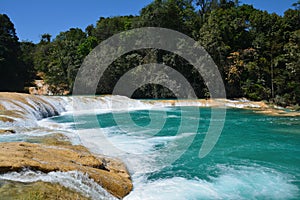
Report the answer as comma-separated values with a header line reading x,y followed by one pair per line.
x,y
32,18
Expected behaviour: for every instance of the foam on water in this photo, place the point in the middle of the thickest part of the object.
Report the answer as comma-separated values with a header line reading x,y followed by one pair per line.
x,y
73,180
140,152
243,183
131,149
231,183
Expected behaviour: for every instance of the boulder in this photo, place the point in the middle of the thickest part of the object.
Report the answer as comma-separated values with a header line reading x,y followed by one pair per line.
x,y
111,174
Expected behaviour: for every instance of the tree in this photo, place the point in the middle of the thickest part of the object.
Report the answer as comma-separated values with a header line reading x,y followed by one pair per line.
x,y
107,27
46,38
11,68
288,81
297,5
60,60
205,7
292,49
27,57
87,46
89,30
224,32
177,15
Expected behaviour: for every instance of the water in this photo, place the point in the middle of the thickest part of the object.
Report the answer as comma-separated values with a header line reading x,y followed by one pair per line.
x,y
256,156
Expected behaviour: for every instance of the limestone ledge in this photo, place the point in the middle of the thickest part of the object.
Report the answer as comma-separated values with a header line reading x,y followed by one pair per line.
x,y
258,107
111,174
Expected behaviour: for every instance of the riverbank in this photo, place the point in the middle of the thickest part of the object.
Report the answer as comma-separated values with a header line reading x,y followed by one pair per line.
x,y
258,107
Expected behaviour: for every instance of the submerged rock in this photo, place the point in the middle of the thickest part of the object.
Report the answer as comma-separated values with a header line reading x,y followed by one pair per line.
x,y
7,131
109,173
56,139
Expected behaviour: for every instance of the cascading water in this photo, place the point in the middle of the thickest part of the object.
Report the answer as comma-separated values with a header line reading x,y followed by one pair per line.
x,y
74,180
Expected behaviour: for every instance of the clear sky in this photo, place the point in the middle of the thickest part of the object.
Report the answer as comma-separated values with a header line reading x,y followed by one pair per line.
x,y
35,17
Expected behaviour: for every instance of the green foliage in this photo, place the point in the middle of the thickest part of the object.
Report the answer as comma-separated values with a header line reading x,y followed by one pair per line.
x,y
107,27
59,61
27,57
87,46
173,14
11,67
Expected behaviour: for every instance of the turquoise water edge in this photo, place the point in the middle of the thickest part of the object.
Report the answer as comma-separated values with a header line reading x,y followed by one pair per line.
x,y
256,156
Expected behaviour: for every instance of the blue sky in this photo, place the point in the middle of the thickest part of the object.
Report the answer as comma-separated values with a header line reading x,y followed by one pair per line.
x,y
35,17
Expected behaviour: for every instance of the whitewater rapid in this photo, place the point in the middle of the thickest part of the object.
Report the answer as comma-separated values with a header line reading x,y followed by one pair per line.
x,y
74,180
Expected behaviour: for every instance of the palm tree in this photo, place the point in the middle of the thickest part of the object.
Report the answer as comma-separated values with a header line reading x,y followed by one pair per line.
x,y
46,37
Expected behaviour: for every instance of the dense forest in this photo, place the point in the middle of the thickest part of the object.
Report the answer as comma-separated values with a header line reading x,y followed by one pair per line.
x,y
256,52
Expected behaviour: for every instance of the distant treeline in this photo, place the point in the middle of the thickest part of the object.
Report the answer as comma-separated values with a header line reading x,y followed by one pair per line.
x,y
257,53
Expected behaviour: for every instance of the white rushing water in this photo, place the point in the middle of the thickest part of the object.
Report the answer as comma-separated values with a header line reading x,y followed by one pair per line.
x,y
30,109
245,183
73,180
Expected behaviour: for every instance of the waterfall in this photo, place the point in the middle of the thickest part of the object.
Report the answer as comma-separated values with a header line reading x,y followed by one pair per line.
x,y
24,110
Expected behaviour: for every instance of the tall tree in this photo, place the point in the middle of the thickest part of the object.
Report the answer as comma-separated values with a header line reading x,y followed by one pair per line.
x,y
46,38
173,14
297,5
59,61
11,68
205,7
107,27
27,57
